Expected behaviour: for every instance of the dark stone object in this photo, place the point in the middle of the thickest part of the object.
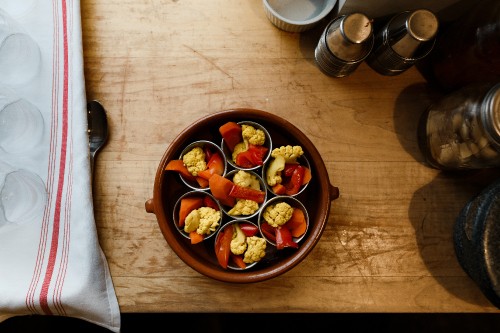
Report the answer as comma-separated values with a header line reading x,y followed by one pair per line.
x,y
477,241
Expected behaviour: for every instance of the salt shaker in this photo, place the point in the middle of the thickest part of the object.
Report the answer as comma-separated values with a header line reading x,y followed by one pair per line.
x,y
344,44
476,237
462,130
406,39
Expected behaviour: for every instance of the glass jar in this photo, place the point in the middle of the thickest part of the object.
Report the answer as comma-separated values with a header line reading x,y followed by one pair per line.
x,y
462,130
468,50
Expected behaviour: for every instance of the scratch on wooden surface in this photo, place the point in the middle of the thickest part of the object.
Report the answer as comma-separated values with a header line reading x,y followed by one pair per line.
x,y
211,62
355,262
349,254
124,83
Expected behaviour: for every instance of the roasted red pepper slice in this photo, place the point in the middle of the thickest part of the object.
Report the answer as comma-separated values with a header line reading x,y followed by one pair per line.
x,y
284,238
231,133
243,160
249,229
214,165
208,152
289,169
248,193
295,182
223,246
209,202
268,231
238,260
178,166
251,157
279,189
257,153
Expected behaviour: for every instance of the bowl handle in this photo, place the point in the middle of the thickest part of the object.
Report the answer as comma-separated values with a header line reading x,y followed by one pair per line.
x,y
150,207
334,192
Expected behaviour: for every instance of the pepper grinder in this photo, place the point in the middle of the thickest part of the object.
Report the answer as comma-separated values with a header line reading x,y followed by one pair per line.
x,y
407,38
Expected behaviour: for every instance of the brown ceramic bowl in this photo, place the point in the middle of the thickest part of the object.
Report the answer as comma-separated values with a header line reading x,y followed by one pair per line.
x,y
201,257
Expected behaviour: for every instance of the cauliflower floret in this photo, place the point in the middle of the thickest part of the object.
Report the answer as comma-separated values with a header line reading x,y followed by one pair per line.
x,y
244,207
195,160
256,249
246,179
290,153
238,243
273,174
252,135
204,220
192,221
278,214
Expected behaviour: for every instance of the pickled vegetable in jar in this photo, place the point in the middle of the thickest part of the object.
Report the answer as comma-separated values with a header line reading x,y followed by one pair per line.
x,y
462,130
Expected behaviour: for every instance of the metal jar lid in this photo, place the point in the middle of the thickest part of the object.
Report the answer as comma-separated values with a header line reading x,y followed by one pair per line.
x,y
351,40
418,27
491,112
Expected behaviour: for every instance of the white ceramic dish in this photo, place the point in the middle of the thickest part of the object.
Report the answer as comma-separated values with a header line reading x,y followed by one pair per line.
x,y
297,15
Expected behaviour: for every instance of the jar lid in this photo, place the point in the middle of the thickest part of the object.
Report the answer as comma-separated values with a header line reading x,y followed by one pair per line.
x,y
491,121
422,25
350,37
356,27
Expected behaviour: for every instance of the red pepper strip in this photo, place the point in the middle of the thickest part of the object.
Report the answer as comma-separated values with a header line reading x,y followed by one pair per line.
x,y
223,246
243,160
196,237
209,202
289,169
251,157
220,188
268,231
257,153
178,166
208,152
293,186
279,189
201,181
249,229
248,193
231,133
238,260
214,165
284,238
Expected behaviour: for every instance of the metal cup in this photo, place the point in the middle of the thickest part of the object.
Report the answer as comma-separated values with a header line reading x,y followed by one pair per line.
x,y
407,38
344,44
201,144
226,209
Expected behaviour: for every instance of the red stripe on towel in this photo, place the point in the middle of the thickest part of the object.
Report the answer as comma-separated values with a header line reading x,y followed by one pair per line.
x,y
62,168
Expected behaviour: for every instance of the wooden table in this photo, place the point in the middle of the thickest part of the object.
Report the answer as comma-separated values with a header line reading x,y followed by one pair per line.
x,y
157,66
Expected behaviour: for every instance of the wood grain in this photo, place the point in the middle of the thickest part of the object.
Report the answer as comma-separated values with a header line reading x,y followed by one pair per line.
x,y
157,66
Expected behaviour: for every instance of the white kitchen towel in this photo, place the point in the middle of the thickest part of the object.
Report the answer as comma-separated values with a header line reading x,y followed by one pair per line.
x,y
51,262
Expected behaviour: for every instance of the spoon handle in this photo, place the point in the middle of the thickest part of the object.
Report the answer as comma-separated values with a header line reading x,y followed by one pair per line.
x,y
97,129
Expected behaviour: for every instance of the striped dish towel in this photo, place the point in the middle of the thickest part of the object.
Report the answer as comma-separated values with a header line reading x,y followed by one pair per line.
x,y
51,262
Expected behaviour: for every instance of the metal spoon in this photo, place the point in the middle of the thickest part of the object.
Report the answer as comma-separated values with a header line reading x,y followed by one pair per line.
x,y
97,129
